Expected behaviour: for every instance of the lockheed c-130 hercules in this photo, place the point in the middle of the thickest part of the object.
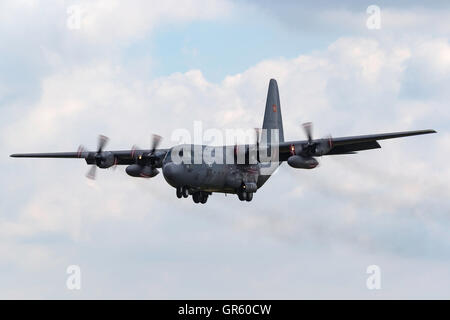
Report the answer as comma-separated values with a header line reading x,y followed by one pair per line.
x,y
243,178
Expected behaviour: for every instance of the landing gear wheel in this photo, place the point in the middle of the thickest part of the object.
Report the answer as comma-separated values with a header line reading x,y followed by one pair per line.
x,y
179,194
184,192
241,195
196,197
203,198
249,196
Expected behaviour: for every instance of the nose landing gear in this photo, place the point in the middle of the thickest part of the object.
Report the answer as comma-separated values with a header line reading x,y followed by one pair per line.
x,y
245,196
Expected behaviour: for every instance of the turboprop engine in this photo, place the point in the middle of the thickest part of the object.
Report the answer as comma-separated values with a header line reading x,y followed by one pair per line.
x,y
146,162
101,159
302,155
104,160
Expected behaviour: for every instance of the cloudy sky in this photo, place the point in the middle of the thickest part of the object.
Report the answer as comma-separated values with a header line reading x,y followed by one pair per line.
x,y
70,70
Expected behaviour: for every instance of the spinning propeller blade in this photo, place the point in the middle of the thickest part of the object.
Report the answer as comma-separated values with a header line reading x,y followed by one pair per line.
x,y
308,127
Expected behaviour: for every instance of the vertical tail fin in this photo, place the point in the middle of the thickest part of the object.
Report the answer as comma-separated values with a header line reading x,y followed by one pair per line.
x,y
272,115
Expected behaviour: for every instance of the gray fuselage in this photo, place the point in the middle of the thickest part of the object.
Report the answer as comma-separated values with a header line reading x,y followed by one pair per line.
x,y
229,172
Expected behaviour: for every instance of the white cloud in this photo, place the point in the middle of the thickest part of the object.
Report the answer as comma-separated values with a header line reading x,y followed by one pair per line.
x,y
407,19
108,21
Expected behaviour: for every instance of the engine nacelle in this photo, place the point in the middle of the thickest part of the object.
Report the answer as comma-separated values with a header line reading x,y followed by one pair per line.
x,y
105,160
136,170
300,162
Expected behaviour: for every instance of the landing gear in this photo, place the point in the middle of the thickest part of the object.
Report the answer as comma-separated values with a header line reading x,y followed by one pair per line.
x,y
185,192
200,197
245,196
197,196
182,192
204,198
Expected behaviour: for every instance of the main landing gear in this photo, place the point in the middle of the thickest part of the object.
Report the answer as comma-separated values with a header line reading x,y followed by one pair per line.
x,y
182,192
198,196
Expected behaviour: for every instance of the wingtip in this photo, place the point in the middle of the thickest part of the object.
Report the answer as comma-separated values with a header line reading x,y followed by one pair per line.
x,y
427,131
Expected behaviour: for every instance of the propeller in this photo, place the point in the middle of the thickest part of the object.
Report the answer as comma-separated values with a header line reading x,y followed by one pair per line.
x,y
102,159
310,148
308,127
81,151
156,140
134,148
92,173
149,159
317,148
102,141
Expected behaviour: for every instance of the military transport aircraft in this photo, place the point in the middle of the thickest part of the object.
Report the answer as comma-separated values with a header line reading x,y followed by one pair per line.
x,y
244,178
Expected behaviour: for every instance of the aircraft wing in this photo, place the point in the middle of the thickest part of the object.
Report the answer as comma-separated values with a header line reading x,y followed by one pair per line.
x,y
347,145
124,157
350,145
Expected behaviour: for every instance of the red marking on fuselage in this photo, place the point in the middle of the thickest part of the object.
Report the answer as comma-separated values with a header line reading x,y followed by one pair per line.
x,y
274,108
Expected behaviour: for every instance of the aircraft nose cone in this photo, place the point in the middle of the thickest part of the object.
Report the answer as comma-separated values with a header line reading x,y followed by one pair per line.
x,y
172,173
